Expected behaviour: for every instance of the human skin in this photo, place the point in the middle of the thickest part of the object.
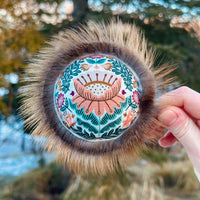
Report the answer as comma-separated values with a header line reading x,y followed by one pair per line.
x,y
180,113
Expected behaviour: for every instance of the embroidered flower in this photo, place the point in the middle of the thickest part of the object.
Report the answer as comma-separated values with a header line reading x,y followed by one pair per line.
x,y
123,92
60,100
105,102
128,120
72,93
107,66
135,97
86,67
69,121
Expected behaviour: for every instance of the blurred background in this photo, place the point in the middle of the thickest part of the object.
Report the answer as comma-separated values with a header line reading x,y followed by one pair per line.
x,y
172,27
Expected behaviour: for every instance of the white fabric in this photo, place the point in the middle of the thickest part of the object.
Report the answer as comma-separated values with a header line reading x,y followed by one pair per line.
x,y
197,172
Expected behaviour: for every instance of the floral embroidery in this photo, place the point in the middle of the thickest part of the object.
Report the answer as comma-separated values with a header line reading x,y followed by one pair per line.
x,y
123,92
122,70
72,93
97,97
60,100
107,66
68,119
105,102
129,119
135,97
86,67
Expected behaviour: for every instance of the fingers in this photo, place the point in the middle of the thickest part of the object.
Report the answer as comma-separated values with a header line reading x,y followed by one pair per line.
x,y
183,97
167,140
180,113
178,122
184,129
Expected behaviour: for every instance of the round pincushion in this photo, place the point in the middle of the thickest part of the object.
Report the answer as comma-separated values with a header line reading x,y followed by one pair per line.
x,y
97,97
91,95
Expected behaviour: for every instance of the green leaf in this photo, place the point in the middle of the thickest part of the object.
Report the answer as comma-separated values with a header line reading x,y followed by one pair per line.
x,y
91,117
63,109
87,125
121,69
101,61
90,61
111,125
133,105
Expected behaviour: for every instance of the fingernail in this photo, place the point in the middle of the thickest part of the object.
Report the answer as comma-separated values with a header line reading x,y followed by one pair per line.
x,y
167,117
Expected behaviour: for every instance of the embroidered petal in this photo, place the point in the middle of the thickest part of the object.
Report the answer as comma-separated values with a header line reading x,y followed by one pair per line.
x,y
110,99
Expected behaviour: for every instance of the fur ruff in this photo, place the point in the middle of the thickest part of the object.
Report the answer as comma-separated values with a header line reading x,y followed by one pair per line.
x,y
123,41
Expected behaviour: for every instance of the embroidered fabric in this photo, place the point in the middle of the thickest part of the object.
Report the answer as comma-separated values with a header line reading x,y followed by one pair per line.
x,y
97,97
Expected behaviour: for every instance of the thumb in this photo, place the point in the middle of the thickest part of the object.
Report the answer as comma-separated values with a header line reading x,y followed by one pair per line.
x,y
184,129
179,123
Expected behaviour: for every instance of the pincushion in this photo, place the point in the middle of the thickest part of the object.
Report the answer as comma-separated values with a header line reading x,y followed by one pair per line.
x,y
97,97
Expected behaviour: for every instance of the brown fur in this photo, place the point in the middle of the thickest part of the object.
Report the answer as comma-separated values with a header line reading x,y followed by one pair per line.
x,y
123,41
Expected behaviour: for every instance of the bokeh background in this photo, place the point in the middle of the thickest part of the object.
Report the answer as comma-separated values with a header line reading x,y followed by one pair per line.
x,y
172,28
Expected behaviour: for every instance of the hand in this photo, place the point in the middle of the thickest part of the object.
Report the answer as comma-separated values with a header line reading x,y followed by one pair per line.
x,y
180,113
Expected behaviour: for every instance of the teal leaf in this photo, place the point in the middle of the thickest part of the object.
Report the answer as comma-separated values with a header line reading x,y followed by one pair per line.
x,y
101,61
133,106
130,103
117,112
90,61
112,133
113,124
121,69
66,102
63,109
70,72
78,131
129,100
92,136
87,125
106,118
91,117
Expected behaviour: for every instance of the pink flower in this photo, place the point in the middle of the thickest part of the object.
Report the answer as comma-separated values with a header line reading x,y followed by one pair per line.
x,y
123,92
60,100
72,93
107,101
135,97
